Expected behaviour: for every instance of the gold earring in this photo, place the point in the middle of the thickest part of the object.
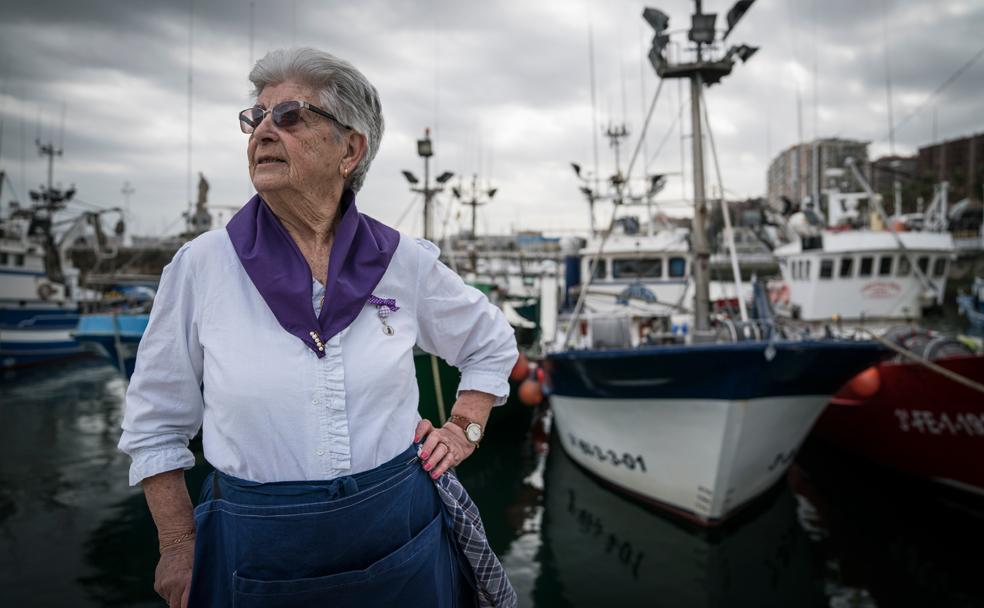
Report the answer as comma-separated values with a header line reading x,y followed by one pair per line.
x,y
343,170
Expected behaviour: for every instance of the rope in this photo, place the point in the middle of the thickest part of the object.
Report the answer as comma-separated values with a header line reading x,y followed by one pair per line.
x,y
926,362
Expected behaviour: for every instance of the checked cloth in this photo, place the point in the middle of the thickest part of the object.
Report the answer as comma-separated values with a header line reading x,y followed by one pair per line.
x,y
494,589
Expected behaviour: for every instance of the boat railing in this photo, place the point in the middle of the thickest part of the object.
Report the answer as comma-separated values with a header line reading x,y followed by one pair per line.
x,y
734,330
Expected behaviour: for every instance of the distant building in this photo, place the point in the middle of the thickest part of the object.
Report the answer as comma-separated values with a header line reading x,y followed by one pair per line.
x,y
886,170
958,161
798,172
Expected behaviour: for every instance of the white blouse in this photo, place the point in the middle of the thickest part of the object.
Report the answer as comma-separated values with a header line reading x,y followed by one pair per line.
x,y
214,357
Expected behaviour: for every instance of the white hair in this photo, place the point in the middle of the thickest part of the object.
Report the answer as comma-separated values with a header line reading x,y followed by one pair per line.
x,y
342,90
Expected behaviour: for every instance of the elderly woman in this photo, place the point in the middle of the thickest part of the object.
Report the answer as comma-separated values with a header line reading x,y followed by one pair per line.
x,y
287,338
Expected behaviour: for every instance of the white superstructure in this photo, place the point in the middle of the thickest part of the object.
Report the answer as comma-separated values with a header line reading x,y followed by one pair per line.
x,y
864,274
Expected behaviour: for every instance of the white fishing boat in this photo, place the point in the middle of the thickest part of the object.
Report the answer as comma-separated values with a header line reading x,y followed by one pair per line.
x,y
849,269
701,421
39,286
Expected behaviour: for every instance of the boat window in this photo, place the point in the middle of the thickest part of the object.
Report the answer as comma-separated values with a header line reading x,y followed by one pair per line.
x,y
885,266
904,267
826,269
939,266
678,267
867,264
3,259
600,269
847,268
923,263
794,270
18,259
807,270
637,268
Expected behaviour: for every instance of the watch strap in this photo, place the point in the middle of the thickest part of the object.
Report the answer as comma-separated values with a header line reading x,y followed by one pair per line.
x,y
464,423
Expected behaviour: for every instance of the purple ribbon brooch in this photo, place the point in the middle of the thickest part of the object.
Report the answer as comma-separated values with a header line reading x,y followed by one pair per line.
x,y
384,307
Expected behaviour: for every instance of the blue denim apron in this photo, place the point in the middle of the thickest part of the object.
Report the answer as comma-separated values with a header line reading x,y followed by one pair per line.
x,y
378,538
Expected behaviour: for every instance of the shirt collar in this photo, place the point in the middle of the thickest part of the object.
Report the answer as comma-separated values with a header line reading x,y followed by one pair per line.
x,y
360,255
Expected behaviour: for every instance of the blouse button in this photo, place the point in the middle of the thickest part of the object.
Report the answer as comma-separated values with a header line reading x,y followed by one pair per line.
x,y
320,452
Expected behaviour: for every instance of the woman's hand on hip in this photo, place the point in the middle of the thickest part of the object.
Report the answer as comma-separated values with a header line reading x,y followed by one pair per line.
x,y
172,579
443,447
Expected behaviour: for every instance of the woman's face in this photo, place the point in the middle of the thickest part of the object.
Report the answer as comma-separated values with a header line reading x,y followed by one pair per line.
x,y
304,158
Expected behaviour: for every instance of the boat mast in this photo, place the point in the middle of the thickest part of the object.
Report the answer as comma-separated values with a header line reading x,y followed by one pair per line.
x,y
701,71
702,254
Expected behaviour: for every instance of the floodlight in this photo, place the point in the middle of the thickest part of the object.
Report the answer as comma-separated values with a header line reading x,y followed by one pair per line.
x,y
456,191
424,148
410,177
656,18
745,52
492,192
735,14
444,177
577,169
702,27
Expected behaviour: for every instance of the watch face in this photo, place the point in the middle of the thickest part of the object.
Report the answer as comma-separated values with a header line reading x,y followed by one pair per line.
x,y
473,432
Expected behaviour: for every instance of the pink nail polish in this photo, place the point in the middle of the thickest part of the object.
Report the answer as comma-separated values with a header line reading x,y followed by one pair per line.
x,y
428,467
424,455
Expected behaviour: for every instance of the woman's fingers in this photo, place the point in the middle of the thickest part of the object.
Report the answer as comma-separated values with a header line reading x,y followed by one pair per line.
x,y
423,428
444,449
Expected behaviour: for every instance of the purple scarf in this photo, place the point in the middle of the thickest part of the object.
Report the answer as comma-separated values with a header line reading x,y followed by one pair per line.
x,y
360,254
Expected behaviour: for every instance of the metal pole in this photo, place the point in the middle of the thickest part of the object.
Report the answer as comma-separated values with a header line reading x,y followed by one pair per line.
x,y
427,198
699,238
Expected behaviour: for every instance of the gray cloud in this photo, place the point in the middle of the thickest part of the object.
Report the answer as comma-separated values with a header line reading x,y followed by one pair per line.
x,y
504,84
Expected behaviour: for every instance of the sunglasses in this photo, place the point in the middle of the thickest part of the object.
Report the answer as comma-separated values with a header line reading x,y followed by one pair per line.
x,y
285,114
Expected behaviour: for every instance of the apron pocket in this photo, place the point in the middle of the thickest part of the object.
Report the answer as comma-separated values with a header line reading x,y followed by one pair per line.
x,y
421,569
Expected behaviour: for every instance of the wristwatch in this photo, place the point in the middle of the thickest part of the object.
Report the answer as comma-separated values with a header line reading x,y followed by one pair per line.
x,y
473,430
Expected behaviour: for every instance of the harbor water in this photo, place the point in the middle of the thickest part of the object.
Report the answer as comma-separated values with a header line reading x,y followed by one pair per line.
x,y
832,533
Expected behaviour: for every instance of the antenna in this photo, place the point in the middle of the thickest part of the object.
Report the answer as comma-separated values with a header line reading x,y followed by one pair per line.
x,y
888,80
61,127
191,39
594,100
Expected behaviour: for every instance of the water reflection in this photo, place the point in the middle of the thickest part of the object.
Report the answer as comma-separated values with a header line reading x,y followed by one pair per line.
x,y
887,539
600,549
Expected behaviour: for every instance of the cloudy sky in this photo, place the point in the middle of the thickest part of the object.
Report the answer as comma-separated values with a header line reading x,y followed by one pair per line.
x,y
504,84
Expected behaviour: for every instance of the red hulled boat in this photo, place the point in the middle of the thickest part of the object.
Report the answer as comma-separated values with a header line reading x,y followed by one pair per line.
x,y
903,415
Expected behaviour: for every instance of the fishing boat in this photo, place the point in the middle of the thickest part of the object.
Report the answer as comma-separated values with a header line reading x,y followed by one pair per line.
x,y
699,422
849,269
911,416
40,292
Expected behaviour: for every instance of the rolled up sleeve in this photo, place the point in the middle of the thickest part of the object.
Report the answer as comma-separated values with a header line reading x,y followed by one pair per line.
x,y
459,324
164,405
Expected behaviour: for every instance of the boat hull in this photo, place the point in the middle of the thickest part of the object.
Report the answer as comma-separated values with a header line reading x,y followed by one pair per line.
x,y
917,421
699,430
113,337
38,345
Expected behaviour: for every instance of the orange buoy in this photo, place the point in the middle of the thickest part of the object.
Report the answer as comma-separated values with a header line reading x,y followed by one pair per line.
x,y
521,370
866,383
530,392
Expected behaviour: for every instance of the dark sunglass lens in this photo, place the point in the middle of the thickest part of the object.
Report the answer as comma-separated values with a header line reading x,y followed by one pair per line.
x,y
287,114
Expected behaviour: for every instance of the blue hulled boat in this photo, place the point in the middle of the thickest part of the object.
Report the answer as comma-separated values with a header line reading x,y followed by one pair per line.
x,y
113,336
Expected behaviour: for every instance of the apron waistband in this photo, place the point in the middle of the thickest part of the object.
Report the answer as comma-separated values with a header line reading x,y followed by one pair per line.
x,y
232,489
